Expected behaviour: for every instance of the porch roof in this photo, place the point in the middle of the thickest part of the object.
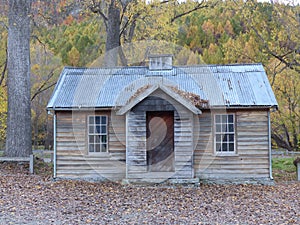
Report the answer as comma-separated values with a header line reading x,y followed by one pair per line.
x,y
148,91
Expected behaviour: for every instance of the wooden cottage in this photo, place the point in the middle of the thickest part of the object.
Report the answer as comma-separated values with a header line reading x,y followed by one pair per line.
x,y
163,123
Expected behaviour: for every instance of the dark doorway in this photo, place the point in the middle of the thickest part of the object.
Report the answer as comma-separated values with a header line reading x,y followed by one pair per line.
x,y
160,141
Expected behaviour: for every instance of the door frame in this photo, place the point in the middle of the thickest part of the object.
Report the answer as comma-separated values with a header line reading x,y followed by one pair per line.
x,y
161,114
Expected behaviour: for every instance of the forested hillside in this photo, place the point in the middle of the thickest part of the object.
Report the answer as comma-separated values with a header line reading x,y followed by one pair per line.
x,y
74,33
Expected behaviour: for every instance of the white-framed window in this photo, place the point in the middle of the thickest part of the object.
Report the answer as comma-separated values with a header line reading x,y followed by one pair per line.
x,y
97,134
224,133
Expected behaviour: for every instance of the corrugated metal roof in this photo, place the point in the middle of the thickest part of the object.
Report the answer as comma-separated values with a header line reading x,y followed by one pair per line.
x,y
230,85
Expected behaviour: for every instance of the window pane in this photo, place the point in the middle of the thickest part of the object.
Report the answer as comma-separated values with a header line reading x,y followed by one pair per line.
x,y
91,129
97,148
231,137
91,148
97,120
91,139
231,147
224,147
103,120
225,138
98,129
224,128
218,128
218,119
103,129
218,147
231,129
91,120
218,137
103,139
104,147
224,118
97,139
230,118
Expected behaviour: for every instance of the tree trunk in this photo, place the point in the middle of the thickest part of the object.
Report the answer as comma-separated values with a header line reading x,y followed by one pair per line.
x,y
18,141
112,35
281,142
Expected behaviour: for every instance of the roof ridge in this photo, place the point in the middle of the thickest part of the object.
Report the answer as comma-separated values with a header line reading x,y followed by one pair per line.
x,y
174,66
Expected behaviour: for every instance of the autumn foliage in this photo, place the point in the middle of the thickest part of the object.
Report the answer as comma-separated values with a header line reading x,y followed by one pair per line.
x,y
69,33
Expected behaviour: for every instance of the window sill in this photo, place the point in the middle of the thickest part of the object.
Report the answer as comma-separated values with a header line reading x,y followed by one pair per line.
x,y
223,154
97,154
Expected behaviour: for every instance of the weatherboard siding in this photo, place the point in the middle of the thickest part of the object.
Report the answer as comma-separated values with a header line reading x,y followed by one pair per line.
x,y
251,159
70,133
73,159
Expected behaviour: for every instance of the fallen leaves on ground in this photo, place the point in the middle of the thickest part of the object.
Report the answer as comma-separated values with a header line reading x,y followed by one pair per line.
x,y
37,199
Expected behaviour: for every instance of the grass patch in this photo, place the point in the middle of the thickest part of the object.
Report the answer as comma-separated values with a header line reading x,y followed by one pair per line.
x,y
285,164
284,169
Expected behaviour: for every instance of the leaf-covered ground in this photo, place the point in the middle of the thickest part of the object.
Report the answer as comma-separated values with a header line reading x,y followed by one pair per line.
x,y
36,199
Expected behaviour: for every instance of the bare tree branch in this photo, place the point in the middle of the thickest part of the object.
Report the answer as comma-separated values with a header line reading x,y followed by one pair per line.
x,y
291,65
200,5
44,85
277,69
37,38
132,27
48,19
281,142
41,89
124,8
96,8
132,23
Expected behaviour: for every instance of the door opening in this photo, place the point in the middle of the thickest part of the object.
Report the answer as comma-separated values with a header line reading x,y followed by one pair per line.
x,y
160,141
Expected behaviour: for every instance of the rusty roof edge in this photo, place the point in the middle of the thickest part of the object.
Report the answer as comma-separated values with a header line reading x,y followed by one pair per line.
x,y
269,88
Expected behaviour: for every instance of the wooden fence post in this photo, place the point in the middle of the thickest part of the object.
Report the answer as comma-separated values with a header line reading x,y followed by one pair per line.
x,y
31,164
298,171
